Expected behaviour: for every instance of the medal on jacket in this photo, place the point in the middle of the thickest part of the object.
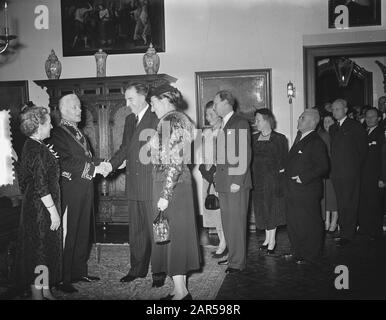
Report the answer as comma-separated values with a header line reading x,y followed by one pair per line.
x,y
77,138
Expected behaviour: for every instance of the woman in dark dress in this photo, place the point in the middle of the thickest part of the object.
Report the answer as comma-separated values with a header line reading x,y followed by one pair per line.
x,y
270,150
172,191
40,234
329,203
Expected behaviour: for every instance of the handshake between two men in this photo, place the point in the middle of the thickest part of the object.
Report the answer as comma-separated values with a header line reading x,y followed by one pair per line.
x,y
105,168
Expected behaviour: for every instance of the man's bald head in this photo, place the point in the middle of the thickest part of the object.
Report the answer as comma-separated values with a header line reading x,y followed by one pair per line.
x,y
70,108
308,120
339,109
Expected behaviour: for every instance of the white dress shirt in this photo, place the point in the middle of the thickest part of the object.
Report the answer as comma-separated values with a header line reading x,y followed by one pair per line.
x,y
142,113
226,118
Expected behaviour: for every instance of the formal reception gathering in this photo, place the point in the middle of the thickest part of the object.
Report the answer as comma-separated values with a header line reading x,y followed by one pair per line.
x,y
211,150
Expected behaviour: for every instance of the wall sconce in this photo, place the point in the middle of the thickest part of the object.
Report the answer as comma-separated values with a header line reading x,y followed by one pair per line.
x,y
6,38
290,91
290,95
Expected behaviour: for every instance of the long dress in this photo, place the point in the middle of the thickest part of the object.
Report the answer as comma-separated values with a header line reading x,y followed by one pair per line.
x,y
37,244
268,193
172,181
329,202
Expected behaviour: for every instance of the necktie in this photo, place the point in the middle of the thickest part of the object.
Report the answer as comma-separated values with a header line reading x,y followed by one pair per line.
x,y
136,120
298,136
222,125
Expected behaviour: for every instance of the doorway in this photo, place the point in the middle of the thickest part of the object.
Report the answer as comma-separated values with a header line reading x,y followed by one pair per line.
x,y
315,54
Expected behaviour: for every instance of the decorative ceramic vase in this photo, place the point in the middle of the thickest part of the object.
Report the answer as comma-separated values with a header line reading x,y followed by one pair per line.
x,y
100,58
53,66
151,60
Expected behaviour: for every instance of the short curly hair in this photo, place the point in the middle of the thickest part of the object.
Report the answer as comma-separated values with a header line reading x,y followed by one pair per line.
x,y
30,119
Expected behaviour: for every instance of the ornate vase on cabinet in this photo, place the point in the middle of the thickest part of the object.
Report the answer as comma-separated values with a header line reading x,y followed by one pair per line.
x,y
53,66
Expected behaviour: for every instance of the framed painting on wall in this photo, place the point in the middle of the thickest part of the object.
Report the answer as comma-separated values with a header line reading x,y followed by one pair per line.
x,y
251,89
116,26
360,12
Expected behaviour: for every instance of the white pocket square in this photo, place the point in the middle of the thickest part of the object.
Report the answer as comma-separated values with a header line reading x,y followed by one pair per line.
x,y
300,151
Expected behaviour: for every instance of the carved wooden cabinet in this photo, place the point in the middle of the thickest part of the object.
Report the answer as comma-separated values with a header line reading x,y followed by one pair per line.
x,y
104,113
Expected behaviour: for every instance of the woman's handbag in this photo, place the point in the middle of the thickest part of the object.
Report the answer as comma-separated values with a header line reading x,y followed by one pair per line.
x,y
161,229
211,200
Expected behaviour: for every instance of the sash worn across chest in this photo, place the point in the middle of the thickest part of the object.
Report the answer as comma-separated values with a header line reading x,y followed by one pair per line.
x,y
79,139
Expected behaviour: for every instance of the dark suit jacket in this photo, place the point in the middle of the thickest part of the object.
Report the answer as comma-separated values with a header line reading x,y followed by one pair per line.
x,y
77,165
139,182
308,159
223,179
372,168
348,149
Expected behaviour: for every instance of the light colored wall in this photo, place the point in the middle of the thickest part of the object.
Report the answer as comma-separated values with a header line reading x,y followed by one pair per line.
x,y
201,35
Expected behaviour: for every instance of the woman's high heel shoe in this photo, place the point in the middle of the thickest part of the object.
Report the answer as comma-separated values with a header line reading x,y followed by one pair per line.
x,y
220,255
187,297
271,251
263,247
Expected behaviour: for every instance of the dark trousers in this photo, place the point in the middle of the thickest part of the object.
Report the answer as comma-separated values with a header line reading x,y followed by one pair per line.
x,y
234,207
370,214
76,246
347,196
140,236
305,225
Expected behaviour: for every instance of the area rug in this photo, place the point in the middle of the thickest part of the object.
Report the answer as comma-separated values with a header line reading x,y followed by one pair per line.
x,y
114,264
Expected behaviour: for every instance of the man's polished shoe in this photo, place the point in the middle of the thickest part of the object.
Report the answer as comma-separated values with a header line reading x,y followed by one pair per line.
x,y
288,256
263,247
301,262
87,279
129,278
168,297
223,262
232,270
66,287
342,242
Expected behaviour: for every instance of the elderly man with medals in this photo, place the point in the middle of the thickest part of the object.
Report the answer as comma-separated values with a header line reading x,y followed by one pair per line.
x,y
78,168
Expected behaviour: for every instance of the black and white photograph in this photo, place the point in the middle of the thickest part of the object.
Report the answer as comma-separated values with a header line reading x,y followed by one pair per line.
x,y
224,153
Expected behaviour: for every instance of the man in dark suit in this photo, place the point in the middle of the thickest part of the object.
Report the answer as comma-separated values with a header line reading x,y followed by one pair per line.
x,y
78,168
139,183
370,218
382,110
348,152
306,166
233,178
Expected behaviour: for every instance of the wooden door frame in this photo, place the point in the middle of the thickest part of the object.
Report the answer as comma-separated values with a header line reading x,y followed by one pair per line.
x,y
313,53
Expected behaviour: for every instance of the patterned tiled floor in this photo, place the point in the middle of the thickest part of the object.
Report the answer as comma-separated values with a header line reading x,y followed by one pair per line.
x,y
272,277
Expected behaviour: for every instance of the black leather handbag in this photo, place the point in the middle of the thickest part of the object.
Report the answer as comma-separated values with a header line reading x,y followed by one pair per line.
x,y
211,201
